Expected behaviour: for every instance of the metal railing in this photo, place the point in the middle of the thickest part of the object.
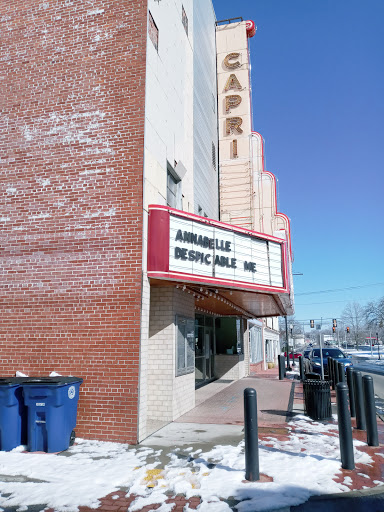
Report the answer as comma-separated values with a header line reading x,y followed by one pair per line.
x,y
229,20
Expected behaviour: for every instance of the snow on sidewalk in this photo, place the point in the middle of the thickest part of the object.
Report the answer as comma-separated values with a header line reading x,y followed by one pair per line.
x,y
302,463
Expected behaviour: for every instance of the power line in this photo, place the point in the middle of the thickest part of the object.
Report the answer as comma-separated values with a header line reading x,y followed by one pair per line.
x,y
329,302
313,318
339,289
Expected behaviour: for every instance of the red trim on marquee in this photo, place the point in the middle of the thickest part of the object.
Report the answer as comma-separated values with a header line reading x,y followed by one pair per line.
x,y
240,285
212,222
159,242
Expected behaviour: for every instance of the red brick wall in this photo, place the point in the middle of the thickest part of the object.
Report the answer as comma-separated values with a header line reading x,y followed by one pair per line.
x,y
71,149
256,368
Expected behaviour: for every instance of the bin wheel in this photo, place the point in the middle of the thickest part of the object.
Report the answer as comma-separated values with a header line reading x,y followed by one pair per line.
x,y
72,438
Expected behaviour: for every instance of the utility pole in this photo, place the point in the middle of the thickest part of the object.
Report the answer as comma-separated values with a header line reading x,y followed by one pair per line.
x,y
378,346
321,357
286,335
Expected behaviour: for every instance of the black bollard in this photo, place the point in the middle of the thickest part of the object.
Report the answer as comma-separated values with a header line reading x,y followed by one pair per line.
x,y
359,400
331,372
370,411
301,368
341,371
251,436
336,373
345,427
351,388
281,360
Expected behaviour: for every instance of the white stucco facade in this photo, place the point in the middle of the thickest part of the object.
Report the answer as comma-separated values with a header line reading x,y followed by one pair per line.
x,y
199,159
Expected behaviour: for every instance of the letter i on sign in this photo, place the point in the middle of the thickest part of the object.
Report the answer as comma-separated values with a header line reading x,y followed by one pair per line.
x,y
234,148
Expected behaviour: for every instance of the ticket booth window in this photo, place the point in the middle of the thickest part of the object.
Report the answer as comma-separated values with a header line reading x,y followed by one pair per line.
x,y
185,345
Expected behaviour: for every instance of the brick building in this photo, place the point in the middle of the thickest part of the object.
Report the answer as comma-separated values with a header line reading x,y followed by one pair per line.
x,y
112,142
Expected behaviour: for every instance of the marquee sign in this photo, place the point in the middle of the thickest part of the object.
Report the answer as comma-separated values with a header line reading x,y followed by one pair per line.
x,y
186,247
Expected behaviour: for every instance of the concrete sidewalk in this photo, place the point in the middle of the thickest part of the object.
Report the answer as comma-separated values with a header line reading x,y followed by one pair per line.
x,y
274,399
218,417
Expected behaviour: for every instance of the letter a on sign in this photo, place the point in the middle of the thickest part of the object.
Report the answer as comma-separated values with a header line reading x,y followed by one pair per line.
x,y
232,83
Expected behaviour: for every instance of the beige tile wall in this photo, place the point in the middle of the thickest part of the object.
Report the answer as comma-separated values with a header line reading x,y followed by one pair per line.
x,y
168,396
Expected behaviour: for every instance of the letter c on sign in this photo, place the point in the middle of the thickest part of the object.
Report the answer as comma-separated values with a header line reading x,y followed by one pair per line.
x,y
232,65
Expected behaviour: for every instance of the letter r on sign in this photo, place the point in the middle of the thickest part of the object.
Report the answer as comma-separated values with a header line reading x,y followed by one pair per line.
x,y
233,123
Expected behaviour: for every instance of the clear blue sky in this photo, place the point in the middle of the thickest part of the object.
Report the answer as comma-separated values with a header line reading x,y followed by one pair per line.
x,y
318,101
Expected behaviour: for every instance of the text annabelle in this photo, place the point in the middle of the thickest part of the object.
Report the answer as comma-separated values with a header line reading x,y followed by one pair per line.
x,y
203,241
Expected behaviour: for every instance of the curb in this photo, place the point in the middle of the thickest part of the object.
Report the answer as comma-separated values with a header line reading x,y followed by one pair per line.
x,y
364,500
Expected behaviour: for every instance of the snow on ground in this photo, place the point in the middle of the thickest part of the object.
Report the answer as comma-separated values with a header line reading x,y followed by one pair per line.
x,y
303,464
368,357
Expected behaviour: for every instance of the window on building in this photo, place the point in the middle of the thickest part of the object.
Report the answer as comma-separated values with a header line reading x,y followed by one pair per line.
x,y
255,345
174,197
184,19
185,345
199,210
153,32
229,333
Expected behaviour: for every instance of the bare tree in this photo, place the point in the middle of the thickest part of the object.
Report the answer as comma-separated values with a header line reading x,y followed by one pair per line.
x,y
354,317
374,313
295,333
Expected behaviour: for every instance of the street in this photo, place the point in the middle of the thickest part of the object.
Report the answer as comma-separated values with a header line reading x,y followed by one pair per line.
x,y
374,368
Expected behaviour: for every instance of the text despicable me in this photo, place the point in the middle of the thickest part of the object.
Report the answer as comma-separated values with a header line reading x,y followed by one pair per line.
x,y
204,257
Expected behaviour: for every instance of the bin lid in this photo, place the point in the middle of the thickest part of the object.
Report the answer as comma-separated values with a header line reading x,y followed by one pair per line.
x,y
58,381
10,381
21,381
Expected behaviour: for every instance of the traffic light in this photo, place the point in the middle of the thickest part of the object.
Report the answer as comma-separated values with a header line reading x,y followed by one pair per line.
x,y
312,324
347,330
334,329
334,322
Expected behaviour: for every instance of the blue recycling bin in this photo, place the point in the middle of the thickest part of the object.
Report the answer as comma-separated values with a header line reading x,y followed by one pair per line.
x,y
52,411
13,414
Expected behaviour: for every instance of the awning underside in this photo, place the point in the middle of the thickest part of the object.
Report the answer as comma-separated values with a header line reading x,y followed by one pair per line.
x,y
233,302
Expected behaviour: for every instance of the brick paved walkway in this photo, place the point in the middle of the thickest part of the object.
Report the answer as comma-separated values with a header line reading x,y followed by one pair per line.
x,y
227,408
119,502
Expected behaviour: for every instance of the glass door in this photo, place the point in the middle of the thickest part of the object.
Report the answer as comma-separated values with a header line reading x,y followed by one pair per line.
x,y
199,353
204,349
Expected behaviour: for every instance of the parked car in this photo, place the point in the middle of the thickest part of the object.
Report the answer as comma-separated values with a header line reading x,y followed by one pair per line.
x,y
296,355
313,363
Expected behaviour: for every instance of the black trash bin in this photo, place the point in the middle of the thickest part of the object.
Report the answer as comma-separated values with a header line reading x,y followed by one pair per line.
x,y
317,399
313,376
